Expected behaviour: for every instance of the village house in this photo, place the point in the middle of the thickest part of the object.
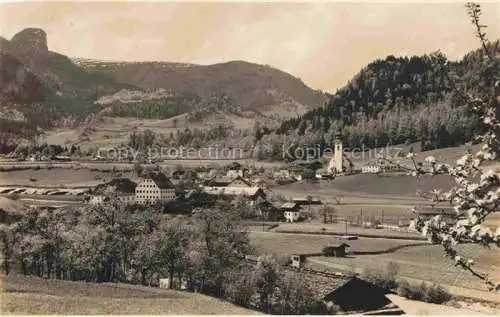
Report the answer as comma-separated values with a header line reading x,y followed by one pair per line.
x,y
239,182
282,174
121,188
448,214
324,173
206,175
255,194
356,295
301,201
349,293
233,173
154,187
291,211
370,168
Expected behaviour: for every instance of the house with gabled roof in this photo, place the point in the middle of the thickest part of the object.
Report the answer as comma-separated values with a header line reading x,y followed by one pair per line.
x,y
121,188
255,194
154,187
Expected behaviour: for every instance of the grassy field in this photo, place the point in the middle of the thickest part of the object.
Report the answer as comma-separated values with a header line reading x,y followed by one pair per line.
x,y
32,295
369,184
340,229
283,245
55,176
428,263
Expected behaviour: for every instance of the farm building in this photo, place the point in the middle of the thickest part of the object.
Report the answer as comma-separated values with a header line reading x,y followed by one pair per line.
x,y
357,295
336,250
122,188
370,168
178,174
154,187
448,214
255,194
282,174
239,182
205,175
291,211
304,201
218,181
298,260
239,172
353,295
324,174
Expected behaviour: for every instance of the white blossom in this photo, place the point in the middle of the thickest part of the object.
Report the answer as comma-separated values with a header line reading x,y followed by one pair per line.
x,y
463,160
430,159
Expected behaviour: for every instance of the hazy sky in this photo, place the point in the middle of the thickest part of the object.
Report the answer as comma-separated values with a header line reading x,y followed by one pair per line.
x,y
324,43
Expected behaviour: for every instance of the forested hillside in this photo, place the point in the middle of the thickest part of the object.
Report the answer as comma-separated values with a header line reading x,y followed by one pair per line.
x,y
396,100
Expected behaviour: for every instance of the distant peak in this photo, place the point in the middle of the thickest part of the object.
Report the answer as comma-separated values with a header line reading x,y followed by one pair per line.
x,y
31,41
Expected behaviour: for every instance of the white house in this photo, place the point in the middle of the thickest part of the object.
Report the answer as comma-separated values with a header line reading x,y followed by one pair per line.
x,y
255,194
96,199
121,188
370,168
291,211
282,173
324,174
206,175
153,188
292,216
236,173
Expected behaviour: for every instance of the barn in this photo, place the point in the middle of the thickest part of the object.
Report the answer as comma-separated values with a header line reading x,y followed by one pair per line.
x,y
357,295
337,250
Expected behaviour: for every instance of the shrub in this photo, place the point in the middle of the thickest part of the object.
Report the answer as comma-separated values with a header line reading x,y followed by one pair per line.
x,y
403,289
36,168
436,294
418,292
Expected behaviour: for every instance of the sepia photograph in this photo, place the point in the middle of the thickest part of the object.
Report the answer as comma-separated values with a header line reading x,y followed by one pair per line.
x,y
256,157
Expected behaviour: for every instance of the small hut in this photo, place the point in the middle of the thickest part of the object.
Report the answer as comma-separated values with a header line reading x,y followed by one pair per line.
x,y
336,250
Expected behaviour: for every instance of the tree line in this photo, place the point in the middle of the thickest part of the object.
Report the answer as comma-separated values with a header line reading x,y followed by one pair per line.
x,y
113,242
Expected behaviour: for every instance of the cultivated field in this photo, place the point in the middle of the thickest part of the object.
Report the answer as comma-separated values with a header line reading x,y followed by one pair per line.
x,y
427,262
283,245
368,185
340,229
32,295
53,177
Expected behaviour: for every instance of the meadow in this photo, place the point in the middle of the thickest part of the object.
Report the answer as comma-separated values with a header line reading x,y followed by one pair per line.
x,y
33,295
283,245
427,262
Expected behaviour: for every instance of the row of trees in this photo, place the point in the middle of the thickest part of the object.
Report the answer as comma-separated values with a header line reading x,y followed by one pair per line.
x,y
113,242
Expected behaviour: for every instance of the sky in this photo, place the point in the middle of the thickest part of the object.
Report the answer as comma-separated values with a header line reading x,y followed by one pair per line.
x,y
324,43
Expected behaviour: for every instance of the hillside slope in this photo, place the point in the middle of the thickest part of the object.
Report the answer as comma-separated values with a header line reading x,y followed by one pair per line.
x,y
250,86
33,295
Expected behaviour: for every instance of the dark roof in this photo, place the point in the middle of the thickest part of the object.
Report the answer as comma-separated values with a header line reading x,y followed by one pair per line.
x,y
358,295
241,179
446,211
322,285
159,179
289,205
338,245
218,181
304,199
119,185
